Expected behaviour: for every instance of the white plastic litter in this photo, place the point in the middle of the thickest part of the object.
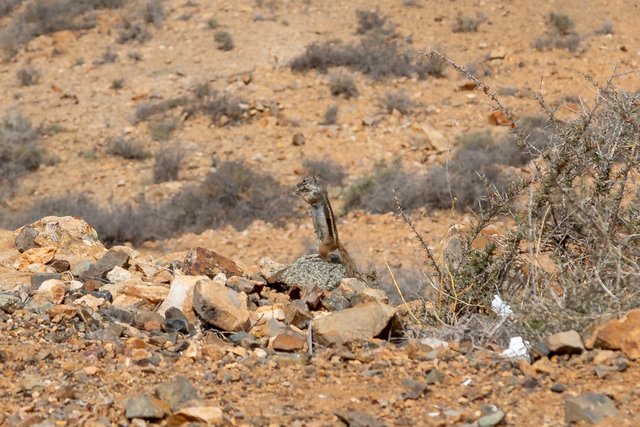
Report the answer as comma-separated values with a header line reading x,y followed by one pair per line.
x,y
518,348
500,307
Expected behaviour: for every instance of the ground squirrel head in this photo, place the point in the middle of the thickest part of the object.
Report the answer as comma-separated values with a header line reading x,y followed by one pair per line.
x,y
311,189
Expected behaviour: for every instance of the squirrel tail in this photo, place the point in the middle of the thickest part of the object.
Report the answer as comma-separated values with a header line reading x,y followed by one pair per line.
x,y
352,269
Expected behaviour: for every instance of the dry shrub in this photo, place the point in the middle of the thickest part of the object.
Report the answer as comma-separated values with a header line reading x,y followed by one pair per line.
x,y
330,171
234,194
569,251
376,54
127,148
20,150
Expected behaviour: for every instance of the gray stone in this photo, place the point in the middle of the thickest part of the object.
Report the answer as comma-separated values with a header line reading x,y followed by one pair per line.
x,y
10,302
434,376
358,419
493,417
176,392
568,342
147,407
38,278
112,258
590,407
25,240
309,271
176,321
220,306
364,321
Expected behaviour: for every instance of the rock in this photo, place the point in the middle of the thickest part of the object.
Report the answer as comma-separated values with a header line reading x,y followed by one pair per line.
x,y
242,284
176,392
112,258
147,407
493,416
207,415
118,274
590,407
60,265
201,261
435,343
557,388
34,256
297,314
176,321
265,313
181,295
498,53
25,240
38,278
297,139
361,322
568,342
434,376
268,268
10,302
336,300
149,321
436,140
499,118
153,293
311,271
53,290
289,341
90,301
619,334
466,85
419,351
220,306
73,238
358,419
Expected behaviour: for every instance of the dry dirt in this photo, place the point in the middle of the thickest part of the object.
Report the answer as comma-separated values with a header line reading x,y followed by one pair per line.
x,y
76,95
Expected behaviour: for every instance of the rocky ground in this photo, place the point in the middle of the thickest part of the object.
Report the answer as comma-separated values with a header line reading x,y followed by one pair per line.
x,y
231,326
92,336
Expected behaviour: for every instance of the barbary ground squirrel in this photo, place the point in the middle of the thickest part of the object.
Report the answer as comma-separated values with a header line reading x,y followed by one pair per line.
x,y
312,190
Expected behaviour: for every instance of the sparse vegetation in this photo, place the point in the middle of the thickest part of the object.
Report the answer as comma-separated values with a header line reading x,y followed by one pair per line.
x,y
117,84
399,101
605,28
20,150
161,130
28,76
560,34
133,31
224,40
566,249
128,148
330,171
341,83
375,56
148,109
235,194
6,6
467,24
371,23
168,161
330,116
39,17
108,57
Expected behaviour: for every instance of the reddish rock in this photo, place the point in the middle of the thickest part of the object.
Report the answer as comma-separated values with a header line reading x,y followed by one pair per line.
x,y
619,334
201,261
289,341
220,306
499,118
364,321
